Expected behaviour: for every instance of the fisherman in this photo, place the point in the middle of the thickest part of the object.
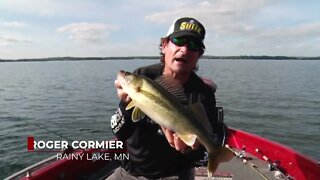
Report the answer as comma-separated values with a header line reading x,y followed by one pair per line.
x,y
157,152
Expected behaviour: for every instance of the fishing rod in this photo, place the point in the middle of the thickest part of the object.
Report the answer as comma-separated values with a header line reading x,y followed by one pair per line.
x,y
245,161
63,137
53,132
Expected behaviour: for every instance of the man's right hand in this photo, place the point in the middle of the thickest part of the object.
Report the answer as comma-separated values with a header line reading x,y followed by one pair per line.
x,y
121,94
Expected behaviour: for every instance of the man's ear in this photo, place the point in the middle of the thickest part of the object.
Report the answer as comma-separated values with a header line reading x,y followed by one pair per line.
x,y
201,53
164,44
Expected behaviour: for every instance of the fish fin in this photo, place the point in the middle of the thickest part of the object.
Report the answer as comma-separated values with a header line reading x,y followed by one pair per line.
x,y
214,159
189,139
173,87
130,105
199,110
137,114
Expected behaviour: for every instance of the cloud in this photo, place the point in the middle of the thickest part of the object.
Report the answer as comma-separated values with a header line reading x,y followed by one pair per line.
x,y
234,27
305,30
51,8
216,11
5,41
13,24
243,26
30,6
292,39
222,17
302,40
94,33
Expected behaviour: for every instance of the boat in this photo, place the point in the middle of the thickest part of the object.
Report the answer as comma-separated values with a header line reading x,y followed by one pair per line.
x,y
252,157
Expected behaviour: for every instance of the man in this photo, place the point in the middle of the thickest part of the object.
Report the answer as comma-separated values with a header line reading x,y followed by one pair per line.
x,y
157,152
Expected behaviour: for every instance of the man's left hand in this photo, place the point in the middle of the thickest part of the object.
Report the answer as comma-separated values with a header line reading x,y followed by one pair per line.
x,y
176,142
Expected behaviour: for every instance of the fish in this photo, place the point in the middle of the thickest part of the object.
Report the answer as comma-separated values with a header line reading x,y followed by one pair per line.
x,y
152,98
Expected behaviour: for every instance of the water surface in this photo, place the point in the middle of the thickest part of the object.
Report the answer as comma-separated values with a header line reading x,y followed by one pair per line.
x,y
279,100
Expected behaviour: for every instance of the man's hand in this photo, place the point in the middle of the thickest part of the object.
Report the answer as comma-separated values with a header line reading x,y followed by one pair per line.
x,y
121,94
176,142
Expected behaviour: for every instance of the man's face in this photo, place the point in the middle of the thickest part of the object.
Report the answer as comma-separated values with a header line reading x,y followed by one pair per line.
x,y
179,58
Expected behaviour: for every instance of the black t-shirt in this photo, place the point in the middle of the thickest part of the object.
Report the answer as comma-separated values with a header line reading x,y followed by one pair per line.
x,y
150,153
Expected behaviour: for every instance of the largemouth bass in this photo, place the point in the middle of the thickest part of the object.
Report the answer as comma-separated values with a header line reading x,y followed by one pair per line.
x,y
189,123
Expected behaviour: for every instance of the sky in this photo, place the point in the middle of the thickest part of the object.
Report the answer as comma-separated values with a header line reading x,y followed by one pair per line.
x,y
102,28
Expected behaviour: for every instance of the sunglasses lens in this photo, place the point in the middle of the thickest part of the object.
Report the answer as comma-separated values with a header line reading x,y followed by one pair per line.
x,y
192,44
179,41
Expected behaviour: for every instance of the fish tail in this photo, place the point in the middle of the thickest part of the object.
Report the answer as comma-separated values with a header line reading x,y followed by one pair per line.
x,y
216,157
213,163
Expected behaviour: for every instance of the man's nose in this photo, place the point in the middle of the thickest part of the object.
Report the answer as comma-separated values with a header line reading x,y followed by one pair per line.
x,y
184,48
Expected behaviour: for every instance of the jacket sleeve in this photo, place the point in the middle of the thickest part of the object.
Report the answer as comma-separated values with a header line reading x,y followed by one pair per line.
x,y
121,123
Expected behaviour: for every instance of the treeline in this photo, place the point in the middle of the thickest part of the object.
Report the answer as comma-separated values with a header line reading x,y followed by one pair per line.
x,y
157,57
78,58
263,57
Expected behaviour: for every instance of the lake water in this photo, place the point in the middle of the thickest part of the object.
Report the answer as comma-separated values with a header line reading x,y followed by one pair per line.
x,y
279,100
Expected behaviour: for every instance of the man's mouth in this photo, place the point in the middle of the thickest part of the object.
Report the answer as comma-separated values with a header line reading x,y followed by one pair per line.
x,y
182,60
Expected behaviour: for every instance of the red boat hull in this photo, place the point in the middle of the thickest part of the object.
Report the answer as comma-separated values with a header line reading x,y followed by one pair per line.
x,y
291,162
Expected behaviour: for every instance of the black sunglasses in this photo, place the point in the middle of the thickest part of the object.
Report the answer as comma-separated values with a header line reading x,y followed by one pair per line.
x,y
192,44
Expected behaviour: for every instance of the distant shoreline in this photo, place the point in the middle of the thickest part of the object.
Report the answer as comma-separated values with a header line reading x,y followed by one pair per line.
x,y
158,57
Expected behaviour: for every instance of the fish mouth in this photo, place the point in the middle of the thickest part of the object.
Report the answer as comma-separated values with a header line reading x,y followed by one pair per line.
x,y
121,72
125,77
121,75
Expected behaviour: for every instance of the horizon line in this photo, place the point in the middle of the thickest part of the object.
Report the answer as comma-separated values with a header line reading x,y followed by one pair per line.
x,y
156,57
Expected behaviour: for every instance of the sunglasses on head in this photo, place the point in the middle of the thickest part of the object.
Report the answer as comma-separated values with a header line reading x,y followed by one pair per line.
x,y
192,44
